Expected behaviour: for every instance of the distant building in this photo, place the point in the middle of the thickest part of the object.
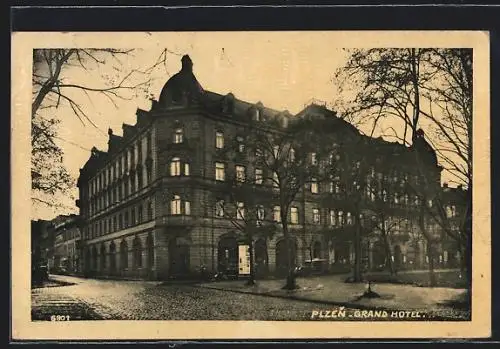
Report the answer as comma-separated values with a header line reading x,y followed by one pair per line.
x,y
66,246
42,243
151,204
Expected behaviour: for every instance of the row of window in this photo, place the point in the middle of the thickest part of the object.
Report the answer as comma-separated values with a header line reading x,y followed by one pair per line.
x,y
121,165
120,221
333,186
335,217
118,192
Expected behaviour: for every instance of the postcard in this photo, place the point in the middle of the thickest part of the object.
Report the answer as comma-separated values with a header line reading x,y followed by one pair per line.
x,y
250,185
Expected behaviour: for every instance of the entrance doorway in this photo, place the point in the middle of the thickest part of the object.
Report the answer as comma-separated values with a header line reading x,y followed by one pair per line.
x,y
227,255
282,256
261,258
178,252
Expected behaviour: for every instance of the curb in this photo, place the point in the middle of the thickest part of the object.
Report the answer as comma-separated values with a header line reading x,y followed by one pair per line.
x,y
317,301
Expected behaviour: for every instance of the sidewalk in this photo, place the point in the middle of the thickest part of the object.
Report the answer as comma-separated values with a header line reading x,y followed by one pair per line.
x,y
333,290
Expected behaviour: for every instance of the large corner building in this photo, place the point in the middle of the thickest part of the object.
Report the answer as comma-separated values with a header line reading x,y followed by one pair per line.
x,y
150,207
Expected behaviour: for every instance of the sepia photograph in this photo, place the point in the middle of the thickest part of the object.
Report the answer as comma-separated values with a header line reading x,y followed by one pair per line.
x,y
251,178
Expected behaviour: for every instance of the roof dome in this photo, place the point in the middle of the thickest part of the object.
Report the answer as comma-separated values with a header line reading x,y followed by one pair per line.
x,y
182,88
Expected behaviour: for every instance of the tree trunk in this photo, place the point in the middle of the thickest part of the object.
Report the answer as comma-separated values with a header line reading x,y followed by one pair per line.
x,y
357,252
388,253
291,283
432,275
251,277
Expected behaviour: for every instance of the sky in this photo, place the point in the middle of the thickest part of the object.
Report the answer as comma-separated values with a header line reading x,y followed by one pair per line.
x,y
283,70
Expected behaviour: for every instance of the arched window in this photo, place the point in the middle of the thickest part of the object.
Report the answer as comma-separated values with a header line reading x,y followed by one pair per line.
x,y
175,205
123,255
175,167
103,257
256,114
178,135
137,253
316,253
112,257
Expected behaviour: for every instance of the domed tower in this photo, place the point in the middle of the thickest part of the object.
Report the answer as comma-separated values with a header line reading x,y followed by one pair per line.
x,y
181,89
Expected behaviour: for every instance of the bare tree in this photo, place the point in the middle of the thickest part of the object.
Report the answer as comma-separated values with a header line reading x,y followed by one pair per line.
x,y
404,87
287,150
54,86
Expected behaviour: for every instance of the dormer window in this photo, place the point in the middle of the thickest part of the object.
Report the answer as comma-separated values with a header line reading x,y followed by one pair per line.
x,y
256,115
178,136
228,104
284,121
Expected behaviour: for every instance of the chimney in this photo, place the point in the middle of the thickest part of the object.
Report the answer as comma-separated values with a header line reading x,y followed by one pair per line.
x,y
187,64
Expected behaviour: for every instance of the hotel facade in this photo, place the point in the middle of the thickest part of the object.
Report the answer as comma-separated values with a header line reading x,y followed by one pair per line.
x,y
152,205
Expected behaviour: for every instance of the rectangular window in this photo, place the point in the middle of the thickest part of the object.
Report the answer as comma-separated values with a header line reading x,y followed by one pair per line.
x,y
277,214
220,172
219,140
186,169
314,159
219,208
314,186
332,217
125,219
260,213
258,152
258,176
316,216
132,216
240,210
150,211
240,173
341,218
241,144
331,187
175,205
175,167
349,218
139,214
187,208
294,215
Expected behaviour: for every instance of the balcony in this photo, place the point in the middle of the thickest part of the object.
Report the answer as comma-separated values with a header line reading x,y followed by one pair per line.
x,y
178,220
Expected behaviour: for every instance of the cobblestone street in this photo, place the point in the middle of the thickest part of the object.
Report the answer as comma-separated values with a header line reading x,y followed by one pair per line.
x,y
142,300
